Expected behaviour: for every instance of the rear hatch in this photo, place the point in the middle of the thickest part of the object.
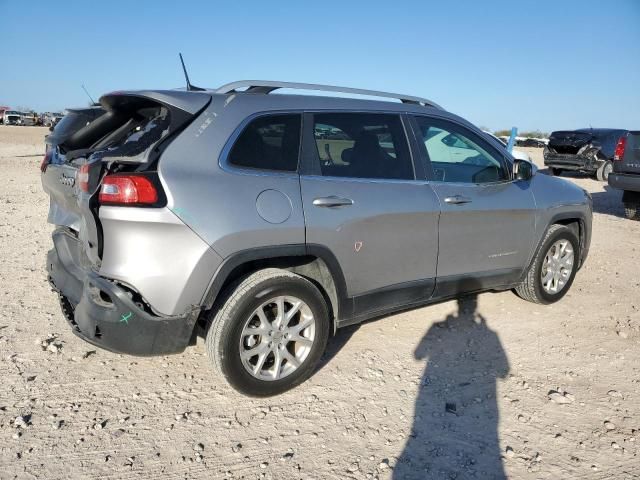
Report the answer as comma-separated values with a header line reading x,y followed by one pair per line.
x,y
130,136
568,142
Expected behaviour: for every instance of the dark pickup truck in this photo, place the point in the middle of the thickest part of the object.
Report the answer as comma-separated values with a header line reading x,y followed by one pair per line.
x,y
626,173
588,150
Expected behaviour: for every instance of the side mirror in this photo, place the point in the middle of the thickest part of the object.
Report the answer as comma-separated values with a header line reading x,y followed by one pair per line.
x,y
51,128
522,170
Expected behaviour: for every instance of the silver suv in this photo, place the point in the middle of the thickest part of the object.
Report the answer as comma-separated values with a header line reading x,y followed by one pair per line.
x,y
264,222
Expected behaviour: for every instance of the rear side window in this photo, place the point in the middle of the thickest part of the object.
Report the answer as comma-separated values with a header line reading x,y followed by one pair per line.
x,y
271,142
362,145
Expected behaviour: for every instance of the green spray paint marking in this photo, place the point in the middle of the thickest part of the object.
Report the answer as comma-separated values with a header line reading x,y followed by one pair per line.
x,y
125,318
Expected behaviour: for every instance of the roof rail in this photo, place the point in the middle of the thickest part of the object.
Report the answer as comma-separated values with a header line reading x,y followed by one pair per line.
x,y
266,86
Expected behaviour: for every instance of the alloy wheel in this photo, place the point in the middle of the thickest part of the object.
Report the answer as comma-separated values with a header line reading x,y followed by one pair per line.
x,y
557,266
277,338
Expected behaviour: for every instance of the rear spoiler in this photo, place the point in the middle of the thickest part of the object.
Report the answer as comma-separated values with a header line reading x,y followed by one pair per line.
x,y
189,102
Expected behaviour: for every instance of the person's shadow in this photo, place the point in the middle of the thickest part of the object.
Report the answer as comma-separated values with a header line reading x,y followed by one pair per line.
x,y
455,429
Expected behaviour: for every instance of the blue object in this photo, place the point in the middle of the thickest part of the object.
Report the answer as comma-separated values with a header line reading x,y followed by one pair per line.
x,y
512,139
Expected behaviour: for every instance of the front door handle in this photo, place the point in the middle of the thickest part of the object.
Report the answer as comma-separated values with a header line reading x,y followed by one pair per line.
x,y
457,200
332,201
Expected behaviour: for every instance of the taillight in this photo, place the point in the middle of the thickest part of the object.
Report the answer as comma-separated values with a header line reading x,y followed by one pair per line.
x,y
620,146
128,189
45,161
82,177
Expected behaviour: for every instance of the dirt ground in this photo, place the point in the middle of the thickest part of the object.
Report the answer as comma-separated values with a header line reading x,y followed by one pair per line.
x,y
455,390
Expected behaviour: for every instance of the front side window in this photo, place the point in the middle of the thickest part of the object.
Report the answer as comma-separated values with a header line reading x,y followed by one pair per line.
x,y
362,145
457,155
271,142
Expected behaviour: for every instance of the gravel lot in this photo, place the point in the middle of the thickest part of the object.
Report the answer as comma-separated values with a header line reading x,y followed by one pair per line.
x,y
456,390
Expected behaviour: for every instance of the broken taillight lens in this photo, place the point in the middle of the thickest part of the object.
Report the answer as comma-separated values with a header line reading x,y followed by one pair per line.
x,y
127,190
45,161
620,146
83,177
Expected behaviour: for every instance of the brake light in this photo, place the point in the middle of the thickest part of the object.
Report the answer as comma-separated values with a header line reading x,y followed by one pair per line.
x,y
128,189
45,161
620,146
83,177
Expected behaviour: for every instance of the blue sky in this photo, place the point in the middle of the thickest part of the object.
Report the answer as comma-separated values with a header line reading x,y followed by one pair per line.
x,y
536,65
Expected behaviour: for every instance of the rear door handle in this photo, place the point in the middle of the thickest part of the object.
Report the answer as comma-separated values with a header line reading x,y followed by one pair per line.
x,y
332,201
457,200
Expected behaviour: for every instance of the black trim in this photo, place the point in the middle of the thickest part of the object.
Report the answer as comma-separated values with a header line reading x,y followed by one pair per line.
x,y
419,170
454,285
106,314
420,293
394,296
584,237
371,304
239,258
345,304
309,163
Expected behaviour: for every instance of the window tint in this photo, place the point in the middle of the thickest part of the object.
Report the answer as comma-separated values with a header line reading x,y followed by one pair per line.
x,y
458,155
269,143
362,145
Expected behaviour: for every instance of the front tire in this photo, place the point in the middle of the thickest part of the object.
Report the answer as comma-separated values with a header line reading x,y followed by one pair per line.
x,y
554,267
269,332
631,201
556,172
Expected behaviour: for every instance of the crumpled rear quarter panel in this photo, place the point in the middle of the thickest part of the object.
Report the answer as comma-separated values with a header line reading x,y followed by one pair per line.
x,y
154,252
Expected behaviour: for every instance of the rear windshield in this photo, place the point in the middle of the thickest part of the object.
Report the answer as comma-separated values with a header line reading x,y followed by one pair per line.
x,y
70,123
132,141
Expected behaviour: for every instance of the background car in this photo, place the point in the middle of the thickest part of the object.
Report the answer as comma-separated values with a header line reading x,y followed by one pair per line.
x,y
12,117
589,150
626,173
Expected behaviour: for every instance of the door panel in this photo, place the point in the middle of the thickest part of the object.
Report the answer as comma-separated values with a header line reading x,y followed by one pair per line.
x,y
489,235
361,200
387,236
487,220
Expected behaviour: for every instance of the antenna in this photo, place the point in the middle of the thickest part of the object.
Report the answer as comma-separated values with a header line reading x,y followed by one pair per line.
x,y
93,102
190,88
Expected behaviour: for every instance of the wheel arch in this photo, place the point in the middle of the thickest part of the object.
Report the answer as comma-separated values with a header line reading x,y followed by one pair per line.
x,y
316,263
575,221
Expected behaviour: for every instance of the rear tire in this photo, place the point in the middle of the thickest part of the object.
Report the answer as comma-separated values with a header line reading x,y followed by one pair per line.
x,y
534,288
256,317
631,201
602,174
556,172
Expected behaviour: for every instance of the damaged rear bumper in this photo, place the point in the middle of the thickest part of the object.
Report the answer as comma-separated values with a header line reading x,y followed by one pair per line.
x,y
105,313
585,163
625,182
